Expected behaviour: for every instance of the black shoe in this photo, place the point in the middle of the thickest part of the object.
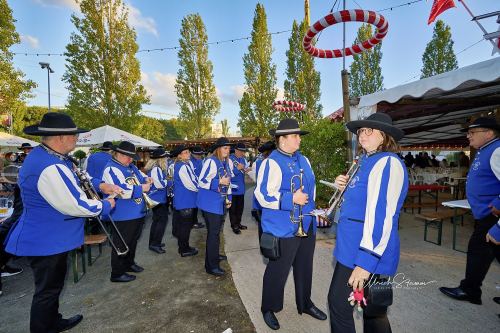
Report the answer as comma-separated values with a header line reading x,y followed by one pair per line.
x,y
162,245
198,226
314,312
242,227
496,300
459,294
123,278
237,231
222,257
157,249
67,324
216,271
135,268
271,320
190,253
10,271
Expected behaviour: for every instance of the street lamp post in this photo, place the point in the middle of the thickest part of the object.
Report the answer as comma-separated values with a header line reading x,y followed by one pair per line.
x,y
49,70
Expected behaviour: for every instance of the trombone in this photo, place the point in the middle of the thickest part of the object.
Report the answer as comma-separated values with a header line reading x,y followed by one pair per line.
x,y
296,207
91,193
150,203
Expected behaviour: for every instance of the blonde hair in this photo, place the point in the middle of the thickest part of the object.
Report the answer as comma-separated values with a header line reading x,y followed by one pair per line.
x,y
159,162
217,153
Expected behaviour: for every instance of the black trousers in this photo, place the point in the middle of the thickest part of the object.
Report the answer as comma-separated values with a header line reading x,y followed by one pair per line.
x,y
4,256
160,218
131,232
214,224
258,218
195,215
296,252
236,210
341,311
184,220
49,273
480,254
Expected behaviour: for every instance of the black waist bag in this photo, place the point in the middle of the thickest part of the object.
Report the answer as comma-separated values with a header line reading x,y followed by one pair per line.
x,y
270,246
379,297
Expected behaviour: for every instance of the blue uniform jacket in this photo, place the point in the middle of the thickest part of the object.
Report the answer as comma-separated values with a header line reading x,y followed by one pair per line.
x,y
54,206
209,197
274,193
367,233
158,191
96,164
238,177
197,165
129,205
185,186
258,163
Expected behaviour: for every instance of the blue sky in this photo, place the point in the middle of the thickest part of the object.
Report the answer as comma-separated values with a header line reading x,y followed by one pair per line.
x,y
45,27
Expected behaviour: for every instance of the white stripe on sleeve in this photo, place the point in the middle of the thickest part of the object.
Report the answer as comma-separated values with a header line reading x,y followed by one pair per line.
x,y
495,162
186,179
267,191
158,179
109,177
210,167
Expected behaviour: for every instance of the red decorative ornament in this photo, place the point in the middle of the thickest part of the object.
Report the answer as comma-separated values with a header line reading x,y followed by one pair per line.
x,y
354,15
288,106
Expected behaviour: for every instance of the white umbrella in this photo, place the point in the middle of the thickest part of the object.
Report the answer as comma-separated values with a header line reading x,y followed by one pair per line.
x,y
9,140
109,133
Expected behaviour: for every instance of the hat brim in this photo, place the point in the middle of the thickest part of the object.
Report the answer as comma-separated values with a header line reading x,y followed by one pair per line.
x,y
129,154
165,154
215,146
34,130
272,132
27,147
492,127
266,147
393,131
241,149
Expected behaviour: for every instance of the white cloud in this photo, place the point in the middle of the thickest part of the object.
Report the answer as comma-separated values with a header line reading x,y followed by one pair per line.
x,y
281,94
60,3
33,42
161,88
138,21
233,96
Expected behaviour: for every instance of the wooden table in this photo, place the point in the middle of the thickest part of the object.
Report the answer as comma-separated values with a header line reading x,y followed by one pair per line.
x,y
427,187
456,204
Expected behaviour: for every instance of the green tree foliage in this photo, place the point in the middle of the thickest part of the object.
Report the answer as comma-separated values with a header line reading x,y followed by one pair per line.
x,y
302,83
256,112
365,71
325,148
102,72
439,56
149,129
196,94
14,90
171,129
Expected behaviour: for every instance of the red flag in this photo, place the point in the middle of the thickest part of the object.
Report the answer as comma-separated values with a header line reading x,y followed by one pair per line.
x,y
438,7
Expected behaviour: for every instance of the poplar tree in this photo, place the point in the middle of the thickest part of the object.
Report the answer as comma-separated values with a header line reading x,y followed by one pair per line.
x,y
257,115
365,71
439,56
102,71
196,94
302,83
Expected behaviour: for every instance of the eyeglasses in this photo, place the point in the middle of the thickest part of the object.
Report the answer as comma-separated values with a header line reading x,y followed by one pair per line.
x,y
478,131
367,131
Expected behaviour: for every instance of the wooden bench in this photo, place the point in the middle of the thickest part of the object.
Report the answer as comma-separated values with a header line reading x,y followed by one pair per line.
x,y
419,206
94,240
86,248
435,220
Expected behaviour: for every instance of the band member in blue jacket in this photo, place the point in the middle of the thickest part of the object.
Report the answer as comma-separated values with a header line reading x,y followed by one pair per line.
x,y
214,198
185,193
367,232
156,168
130,208
95,163
483,193
274,193
239,166
54,213
196,160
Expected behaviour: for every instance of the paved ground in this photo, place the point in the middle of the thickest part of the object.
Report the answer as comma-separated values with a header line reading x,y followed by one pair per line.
x,y
415,309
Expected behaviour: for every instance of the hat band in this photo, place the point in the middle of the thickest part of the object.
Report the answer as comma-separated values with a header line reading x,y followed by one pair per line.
x,y
287,130
57,129
124,151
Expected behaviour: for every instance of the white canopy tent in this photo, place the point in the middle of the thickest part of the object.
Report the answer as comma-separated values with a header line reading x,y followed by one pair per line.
x,y
9,140
109,133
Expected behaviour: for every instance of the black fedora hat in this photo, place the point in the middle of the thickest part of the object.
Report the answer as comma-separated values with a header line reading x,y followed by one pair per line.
x,y
25,145
241,146
221,142
106,145
483,122
197,150
127,148
380,121
54,123
177,150
158,153
287,126
269,145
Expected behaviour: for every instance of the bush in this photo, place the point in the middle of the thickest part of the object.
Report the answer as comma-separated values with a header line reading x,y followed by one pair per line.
x,y
326,149
79,154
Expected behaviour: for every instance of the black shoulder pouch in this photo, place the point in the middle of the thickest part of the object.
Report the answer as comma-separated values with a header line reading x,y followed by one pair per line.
x,y
270,246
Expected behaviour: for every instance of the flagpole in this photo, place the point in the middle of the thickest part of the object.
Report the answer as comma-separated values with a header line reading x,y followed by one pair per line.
x,y
477,22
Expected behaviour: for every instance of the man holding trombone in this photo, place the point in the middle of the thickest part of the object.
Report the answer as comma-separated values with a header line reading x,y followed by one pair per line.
x,y
55,208
286,189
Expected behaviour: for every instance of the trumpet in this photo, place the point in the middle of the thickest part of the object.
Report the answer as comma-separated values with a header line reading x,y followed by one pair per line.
x,y
236,163
224,189
170,178
91,193
336,200
150,203
296,207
